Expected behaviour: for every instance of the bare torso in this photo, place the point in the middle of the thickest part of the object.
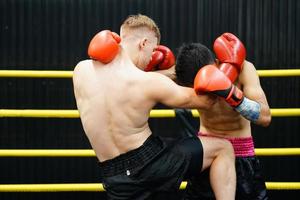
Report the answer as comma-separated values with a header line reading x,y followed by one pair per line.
x,y
221,120
108,99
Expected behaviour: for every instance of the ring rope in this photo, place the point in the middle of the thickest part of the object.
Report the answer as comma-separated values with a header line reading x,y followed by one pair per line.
x,y
156,113
98,187
269,185
278,73
69,74
39,113
91,153
36,74
277,151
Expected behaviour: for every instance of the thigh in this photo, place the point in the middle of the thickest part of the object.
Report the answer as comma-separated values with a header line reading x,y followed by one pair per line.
x,y
212,147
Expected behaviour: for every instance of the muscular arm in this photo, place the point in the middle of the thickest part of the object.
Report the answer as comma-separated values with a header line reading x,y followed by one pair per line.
x,y
252,90
168,72
164,90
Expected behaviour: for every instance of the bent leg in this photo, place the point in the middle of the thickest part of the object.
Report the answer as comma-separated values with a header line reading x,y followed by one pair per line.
x,y
198,187
219,155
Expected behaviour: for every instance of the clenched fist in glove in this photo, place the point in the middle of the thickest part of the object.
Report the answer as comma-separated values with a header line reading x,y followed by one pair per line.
x,y
162,58
104,46
231,53
210,79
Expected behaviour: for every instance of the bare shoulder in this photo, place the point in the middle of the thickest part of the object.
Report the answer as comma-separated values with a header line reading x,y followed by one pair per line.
x,y
80,70
248,74
158,79
80,66
248,68
155,82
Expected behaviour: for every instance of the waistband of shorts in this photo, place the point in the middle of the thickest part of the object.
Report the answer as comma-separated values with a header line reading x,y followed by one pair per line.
x,y
243,146
133,159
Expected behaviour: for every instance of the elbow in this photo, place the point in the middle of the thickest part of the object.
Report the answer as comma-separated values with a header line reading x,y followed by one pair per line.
x,y
265,117
265,121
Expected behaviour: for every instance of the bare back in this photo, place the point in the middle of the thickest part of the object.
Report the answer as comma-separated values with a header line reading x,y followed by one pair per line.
x,y
109,98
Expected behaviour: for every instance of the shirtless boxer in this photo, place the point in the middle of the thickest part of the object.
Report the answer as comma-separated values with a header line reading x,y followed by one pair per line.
x,y
228,118
114,97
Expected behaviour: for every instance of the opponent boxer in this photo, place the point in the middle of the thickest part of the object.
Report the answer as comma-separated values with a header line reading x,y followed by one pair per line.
x,y
114,98
241,101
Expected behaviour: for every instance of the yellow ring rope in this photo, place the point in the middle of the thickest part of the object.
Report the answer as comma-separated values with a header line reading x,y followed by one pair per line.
x,y
68,187
69,74
98,187
278,72
277,151
161,113
47,153
36,74
39,113
91,153
269,185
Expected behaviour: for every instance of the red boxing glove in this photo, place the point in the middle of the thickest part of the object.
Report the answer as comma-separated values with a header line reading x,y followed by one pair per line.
x,y
104,46
162,58
210,79
157,58
231,53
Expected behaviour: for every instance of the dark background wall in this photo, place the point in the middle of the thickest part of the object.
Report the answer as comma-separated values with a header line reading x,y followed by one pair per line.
x,y
53,35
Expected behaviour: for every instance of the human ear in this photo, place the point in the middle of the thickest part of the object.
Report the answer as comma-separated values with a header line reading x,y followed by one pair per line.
x,y
143,43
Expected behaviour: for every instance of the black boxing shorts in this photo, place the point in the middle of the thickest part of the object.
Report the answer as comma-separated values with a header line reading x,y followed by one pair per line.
x,y
250,180
159,165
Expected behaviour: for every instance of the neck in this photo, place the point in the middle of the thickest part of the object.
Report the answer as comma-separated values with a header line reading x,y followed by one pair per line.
x,y
131,53
123,59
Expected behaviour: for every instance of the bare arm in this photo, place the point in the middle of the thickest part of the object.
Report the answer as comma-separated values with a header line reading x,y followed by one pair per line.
x,y
164,90
168,72
253,90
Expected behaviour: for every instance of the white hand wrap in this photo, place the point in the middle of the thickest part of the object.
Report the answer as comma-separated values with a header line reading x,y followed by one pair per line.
x,y
249,109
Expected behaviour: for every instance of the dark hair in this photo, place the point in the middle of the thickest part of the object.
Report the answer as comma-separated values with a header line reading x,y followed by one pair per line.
x,y
190,58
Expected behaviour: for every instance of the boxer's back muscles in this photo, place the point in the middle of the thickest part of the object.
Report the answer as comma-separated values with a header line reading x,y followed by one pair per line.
x,y
111,122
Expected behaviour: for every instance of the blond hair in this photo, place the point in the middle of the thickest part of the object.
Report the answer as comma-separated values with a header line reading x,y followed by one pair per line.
x,y
138,21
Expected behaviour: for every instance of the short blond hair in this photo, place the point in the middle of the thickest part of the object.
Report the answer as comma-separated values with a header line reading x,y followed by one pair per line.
x,y
139,20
